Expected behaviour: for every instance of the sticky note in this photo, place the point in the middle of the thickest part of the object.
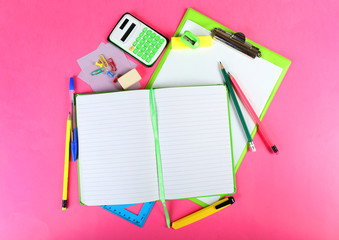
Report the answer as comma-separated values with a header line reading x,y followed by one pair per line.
x,y
103,82
129,78
205,41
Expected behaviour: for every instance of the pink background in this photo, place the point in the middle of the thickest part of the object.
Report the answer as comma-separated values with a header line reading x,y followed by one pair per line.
x,y
290,196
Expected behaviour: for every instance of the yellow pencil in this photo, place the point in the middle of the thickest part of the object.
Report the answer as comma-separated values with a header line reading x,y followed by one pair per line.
x,y
68,132
205,212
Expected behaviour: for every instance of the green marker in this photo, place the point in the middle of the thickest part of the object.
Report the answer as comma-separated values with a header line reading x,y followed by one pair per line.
x,y
230,89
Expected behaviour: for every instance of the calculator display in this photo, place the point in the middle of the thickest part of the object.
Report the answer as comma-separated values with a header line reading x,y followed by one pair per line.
x,y
127,33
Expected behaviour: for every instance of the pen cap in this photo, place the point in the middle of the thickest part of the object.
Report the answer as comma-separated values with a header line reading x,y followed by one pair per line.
x,y
71,84
226,203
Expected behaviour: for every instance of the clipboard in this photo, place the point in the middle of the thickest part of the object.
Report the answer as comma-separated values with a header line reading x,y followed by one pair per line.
x,y
210,24
266,54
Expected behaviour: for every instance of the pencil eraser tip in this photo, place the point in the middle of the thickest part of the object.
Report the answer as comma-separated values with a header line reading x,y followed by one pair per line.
x,y
275,149
252,146
64,204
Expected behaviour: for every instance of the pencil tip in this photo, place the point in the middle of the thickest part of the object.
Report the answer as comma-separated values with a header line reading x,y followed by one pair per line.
x,y
222,66
69,116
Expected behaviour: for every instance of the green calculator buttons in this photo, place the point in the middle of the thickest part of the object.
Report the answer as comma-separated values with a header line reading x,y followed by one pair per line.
x,y
147,44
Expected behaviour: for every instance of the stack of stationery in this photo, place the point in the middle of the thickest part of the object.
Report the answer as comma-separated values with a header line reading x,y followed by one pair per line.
x,y
183,139
103,82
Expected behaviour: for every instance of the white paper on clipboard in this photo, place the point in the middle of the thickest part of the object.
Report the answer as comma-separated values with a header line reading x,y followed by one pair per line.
x,y
193,67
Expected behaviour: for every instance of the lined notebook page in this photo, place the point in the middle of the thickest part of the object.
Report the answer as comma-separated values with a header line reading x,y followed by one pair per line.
x,y
117,162
194,140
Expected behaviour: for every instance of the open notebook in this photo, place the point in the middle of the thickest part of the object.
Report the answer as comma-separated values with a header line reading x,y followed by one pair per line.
x,y
118,160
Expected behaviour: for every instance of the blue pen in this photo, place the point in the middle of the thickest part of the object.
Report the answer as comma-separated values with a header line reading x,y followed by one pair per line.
x,y
74,137
74,145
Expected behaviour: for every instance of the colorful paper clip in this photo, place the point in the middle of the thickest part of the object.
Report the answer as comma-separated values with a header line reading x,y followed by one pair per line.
x,y
112,64
102,62
110,74
99,64
98,71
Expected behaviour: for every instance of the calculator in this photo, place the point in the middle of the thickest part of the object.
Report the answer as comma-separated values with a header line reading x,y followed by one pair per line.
x,y
138,39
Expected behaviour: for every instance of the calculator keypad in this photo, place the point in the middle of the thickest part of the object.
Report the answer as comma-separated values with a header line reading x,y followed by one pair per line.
x,y
146,44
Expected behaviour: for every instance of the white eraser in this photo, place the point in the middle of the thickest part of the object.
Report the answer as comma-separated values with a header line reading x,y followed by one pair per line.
x,y
129,78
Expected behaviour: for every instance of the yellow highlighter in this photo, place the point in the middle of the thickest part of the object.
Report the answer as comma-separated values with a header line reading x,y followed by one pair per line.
x,y
204,41
68,133
205,212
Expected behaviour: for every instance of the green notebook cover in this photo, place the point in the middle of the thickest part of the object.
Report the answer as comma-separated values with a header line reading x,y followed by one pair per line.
x,y
267,54
158,152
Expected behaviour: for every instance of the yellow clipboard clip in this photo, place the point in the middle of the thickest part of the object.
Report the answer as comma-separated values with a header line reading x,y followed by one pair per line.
x,y
102,62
